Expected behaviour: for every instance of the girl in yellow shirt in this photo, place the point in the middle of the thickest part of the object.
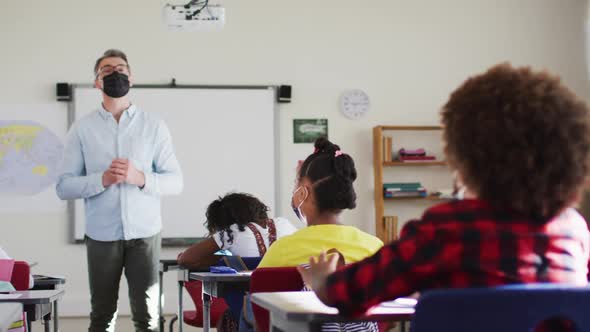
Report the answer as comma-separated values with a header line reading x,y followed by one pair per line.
x,y
324,189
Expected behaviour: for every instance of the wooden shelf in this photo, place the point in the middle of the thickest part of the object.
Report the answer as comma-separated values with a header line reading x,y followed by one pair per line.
x,y
382,158
427,198
410,127
414,163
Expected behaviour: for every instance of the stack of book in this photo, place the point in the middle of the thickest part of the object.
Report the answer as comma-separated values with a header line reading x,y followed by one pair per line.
x,y
390,231
414,155
387,149
404,189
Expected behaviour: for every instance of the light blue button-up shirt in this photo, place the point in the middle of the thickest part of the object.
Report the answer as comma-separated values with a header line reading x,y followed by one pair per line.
x,y
120,211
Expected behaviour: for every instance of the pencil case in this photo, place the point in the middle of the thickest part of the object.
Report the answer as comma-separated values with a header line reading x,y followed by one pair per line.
x,y
222,269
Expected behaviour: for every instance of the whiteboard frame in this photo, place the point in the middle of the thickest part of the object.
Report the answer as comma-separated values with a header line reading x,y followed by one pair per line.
x,y
184,241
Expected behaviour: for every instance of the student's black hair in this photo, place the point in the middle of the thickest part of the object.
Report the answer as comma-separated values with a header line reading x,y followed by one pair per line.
x,y
331,173
234,208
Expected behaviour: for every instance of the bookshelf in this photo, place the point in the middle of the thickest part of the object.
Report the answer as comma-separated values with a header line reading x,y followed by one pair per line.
x,y
386,226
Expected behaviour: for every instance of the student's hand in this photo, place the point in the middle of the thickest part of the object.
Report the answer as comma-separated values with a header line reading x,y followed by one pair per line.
x,y
125,167
341,261
318,271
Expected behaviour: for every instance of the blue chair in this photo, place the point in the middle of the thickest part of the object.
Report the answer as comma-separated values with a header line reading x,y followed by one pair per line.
x,y
513,308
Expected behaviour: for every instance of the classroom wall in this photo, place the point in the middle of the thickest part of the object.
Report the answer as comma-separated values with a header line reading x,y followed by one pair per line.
x,y
406,55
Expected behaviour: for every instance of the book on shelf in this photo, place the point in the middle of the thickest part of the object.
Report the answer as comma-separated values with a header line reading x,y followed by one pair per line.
x,y
393,190
402,185
417,193
411,152
416,158
390,226
407,188
387,149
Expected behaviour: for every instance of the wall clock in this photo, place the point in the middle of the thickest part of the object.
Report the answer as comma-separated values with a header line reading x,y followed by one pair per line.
x,y
354,104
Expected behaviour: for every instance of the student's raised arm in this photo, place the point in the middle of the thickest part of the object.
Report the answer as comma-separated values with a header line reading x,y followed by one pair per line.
x,y
398,269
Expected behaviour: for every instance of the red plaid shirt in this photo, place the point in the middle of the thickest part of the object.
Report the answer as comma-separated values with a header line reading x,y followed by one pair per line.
x,y
465,244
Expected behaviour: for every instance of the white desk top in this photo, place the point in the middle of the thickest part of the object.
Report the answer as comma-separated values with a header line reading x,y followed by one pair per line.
x,y
9,313
35,296
221,277
305,306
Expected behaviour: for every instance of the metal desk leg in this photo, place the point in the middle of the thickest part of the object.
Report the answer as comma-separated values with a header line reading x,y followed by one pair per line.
x,y
47,323
206,310
160,310
55,316
180,318
172,320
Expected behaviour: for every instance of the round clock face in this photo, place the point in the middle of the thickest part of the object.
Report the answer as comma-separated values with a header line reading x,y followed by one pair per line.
x,y
354,104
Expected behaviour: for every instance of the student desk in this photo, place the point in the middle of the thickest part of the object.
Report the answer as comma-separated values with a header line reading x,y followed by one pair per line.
x,y
38,304
9,313
303,311
214,284
42,282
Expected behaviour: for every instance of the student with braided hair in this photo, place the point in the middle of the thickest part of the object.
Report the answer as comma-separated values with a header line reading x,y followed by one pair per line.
x,y
323,190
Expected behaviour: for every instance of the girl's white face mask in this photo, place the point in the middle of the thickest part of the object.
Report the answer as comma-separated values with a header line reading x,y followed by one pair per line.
x,y
297,209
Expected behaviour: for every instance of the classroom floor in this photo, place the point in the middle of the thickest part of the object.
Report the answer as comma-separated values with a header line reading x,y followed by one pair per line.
x,y
124,324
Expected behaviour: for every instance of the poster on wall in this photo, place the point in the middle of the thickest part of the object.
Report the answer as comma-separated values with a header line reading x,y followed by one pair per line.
x,y
31,147
308,130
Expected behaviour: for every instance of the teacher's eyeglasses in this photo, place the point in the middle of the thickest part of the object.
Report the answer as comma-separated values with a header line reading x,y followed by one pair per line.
x,y
108,69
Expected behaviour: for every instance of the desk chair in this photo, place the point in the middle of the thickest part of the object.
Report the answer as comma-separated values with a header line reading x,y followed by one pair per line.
x,y
514,308
21,275
272,279
195,317
20,280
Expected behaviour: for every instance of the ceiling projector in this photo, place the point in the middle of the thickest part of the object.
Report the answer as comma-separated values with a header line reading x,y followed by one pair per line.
x,y
193,17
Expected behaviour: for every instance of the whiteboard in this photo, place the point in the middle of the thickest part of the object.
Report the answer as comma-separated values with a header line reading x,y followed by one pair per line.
x,y
225,140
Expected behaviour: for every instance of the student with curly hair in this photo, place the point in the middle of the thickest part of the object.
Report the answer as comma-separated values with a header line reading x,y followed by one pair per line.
x,y
239,223
520,143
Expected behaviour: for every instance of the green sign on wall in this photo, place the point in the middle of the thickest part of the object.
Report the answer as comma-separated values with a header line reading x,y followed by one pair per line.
x,y
308,130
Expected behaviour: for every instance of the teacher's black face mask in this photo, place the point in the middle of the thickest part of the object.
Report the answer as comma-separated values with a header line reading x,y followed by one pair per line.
x,y
115,85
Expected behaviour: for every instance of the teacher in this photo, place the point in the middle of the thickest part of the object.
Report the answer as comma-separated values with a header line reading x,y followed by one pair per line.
x,y
120,160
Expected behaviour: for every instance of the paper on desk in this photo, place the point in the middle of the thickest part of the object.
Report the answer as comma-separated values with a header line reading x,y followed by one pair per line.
x,y
9,296
45,276
245,273
304,302
402,302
